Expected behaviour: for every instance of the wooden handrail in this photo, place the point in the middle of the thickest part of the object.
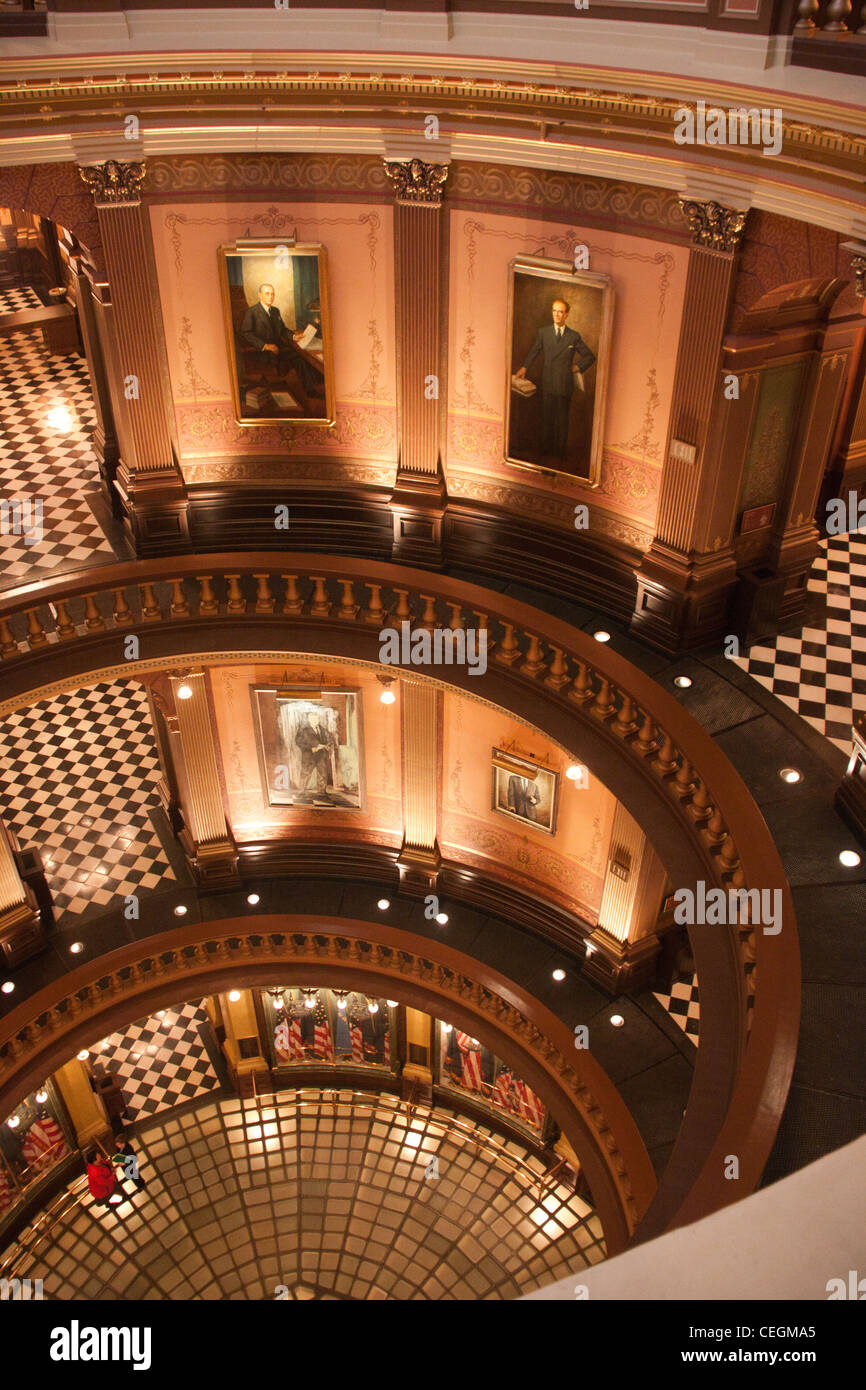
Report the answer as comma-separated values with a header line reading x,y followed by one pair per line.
x,y
634,735
42,1031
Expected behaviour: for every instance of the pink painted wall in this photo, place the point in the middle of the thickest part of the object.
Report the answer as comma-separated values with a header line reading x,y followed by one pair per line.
x,y
359,242
649,285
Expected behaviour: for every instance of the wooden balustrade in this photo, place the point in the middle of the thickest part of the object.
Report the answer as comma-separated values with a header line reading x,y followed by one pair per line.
x,y
815,17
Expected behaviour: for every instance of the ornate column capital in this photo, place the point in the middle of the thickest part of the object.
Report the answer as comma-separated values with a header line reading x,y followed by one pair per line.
x,y
858,265
114,184
417,184
713,227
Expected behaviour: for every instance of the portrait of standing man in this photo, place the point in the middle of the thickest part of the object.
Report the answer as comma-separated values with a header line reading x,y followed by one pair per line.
x,y
558,364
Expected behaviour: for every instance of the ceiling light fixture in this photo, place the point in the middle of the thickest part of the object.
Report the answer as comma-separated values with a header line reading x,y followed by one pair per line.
x,y
184,692
849,858
309,998
372,1006
41,1097
234,995
388,696
180,910
575,772
683,682
7,986
617,1020
601,635
13,1122
392,1003
383,904
77,947
559,974
790,774
83,1055
446,1027
252,899
442,918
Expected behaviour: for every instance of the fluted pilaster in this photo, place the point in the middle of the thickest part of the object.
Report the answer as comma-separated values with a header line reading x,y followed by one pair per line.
x,y
419,857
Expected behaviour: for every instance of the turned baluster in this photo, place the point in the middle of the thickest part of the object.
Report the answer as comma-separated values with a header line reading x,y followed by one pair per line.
x,y
837,12
534,658
716,828
729,852
508,650
806,24
456,623
236,601
348,609
581,687
603,701
294,603
92,616
402,613
647,739
428,619
35,631
558,675
374,613
265,601
320,606
150,609
701,805
8,645
626,720
122,612
684,779
178,608
63,624
207,604
667,758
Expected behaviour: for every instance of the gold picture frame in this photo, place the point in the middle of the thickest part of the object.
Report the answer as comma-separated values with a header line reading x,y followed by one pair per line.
x,y
525,791
322,770
541,432
281,365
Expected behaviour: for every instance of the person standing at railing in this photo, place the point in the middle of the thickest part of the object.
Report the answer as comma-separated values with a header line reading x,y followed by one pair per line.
x,y
100,1176
126,1164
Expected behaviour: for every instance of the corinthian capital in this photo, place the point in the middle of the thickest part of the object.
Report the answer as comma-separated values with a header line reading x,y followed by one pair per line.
x,y
417,183
712,226
114,184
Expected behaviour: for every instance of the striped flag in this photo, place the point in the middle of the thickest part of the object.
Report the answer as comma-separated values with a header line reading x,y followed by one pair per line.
x,y
503,1092
464,1042
322,1043
357,1040
43,1144
387,1052
472,1071
530,1105
288,1043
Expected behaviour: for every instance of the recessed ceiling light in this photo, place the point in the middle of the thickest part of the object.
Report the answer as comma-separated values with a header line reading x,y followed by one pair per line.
x,y
559,974
683,682
83,1055
442,918
383,904
849,858
184,692
617,1020
252,899
234,995
790,774
601,635
180,910
7,986
77,947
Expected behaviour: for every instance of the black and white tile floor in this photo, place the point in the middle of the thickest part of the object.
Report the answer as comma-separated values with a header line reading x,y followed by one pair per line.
x,y
160,1061
683,1002
80,775
821,672
45,456
20,297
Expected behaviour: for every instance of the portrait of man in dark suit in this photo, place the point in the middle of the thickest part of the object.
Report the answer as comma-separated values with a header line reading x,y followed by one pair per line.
x,y
564,355
560,334
524,791
523,797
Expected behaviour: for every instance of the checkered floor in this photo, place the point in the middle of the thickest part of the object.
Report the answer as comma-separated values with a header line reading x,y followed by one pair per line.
x,y
683,1003
46,457
19,298
159,1061
80,775
821,673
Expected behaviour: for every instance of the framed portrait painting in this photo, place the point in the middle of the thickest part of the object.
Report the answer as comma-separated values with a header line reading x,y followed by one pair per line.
x,y
525,791
558,357
278,333
310,747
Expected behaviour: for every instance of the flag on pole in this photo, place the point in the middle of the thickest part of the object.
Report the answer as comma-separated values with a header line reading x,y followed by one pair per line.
x,y
43,1144
531,1107
288,1043
387,1049
357,1040
503,1092
322,1043
472,1071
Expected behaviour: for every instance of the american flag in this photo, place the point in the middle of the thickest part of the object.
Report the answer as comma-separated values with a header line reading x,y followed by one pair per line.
x,y
503,1093
288,1043
43,1144
357,1039
472,1071
464,1042
322,1043
530,1105
387,1051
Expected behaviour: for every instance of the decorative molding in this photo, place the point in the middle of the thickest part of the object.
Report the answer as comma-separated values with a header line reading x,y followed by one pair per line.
x,y
113,184
858,265
713,227
416,183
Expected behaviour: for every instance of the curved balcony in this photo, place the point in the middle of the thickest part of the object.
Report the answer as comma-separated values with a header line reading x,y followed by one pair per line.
x,y
631,734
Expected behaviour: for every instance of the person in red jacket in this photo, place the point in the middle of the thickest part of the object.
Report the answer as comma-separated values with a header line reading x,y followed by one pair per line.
x,y
100,1176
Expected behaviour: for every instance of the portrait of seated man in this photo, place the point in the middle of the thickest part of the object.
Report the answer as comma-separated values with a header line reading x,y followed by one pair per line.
x,y
264,331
